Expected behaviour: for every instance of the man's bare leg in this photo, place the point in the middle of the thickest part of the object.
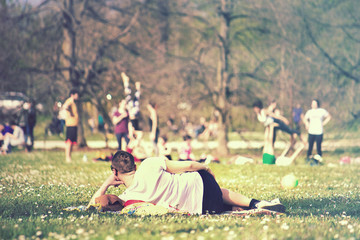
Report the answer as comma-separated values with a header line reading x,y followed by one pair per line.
x,y
235,199
68,148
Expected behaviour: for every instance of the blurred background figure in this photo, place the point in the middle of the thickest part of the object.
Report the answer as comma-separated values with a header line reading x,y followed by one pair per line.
x,y
297,116
164,150
315,119
154,126
120,120
13,137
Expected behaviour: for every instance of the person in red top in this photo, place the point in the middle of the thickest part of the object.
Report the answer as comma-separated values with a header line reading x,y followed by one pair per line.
x,y
120,120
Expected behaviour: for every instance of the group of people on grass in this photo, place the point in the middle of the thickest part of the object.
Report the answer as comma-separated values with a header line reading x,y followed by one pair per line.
x,y
190,185
19,131
314,120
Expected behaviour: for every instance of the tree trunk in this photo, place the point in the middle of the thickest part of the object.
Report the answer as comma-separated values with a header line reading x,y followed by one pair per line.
x,y
69,60
222,136
223,104
81,132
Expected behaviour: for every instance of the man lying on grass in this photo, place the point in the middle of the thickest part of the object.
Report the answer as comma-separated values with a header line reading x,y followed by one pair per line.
x,y
188,186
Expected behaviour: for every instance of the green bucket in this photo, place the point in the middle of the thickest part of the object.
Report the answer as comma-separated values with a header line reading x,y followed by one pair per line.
x,y
268,158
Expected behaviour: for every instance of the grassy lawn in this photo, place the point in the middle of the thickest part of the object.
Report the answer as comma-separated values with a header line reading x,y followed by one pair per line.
x,y
36,187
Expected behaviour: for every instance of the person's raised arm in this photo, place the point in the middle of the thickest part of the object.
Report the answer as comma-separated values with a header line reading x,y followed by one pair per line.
x,y
110,181
185,166
153,117
117,119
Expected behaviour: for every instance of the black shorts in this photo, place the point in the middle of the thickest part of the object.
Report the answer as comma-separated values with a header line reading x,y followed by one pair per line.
x,y
212,199
71,135
135,124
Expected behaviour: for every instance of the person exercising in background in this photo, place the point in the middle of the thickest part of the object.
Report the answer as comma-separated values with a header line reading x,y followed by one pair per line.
x,y
154,125
133,108
315,119
71,123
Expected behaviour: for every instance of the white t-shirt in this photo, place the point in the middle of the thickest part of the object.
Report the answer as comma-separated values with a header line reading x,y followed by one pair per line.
x,y
316,117
152,183
263,118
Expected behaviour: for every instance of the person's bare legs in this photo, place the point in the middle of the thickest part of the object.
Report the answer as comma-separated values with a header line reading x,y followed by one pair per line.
x,y
235,199
268,140
68,148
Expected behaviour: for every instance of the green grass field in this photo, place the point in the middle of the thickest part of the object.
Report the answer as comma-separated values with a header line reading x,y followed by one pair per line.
x,y
36,187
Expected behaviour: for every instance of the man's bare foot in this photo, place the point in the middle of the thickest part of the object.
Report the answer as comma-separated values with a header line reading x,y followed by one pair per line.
x,y
68,160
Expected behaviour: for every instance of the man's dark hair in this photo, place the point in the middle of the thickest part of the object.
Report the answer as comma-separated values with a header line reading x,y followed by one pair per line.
x,y
12,122
74,91
152,103
123,162
258,103
317,101
186,137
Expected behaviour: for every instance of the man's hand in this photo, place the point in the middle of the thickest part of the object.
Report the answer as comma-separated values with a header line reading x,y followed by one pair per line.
x,y
112,180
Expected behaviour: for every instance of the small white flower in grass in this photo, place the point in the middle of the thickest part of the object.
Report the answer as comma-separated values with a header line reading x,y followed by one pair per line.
x,y
20,219
343,222
16,226
336,236
192,231
183,235
38,233
226,228
284,226
80,231
265,227
168,238
200,238
22,237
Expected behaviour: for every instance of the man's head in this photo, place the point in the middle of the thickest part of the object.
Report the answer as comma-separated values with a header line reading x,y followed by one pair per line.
x,y
257,106
74,93
12,123
123,162
315,104
152,104
187,137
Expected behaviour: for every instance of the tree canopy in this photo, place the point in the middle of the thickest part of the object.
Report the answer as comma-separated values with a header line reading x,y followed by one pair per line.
x,y
217,55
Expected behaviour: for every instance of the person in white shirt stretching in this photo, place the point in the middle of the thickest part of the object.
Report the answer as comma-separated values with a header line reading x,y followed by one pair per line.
x,y
315,119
